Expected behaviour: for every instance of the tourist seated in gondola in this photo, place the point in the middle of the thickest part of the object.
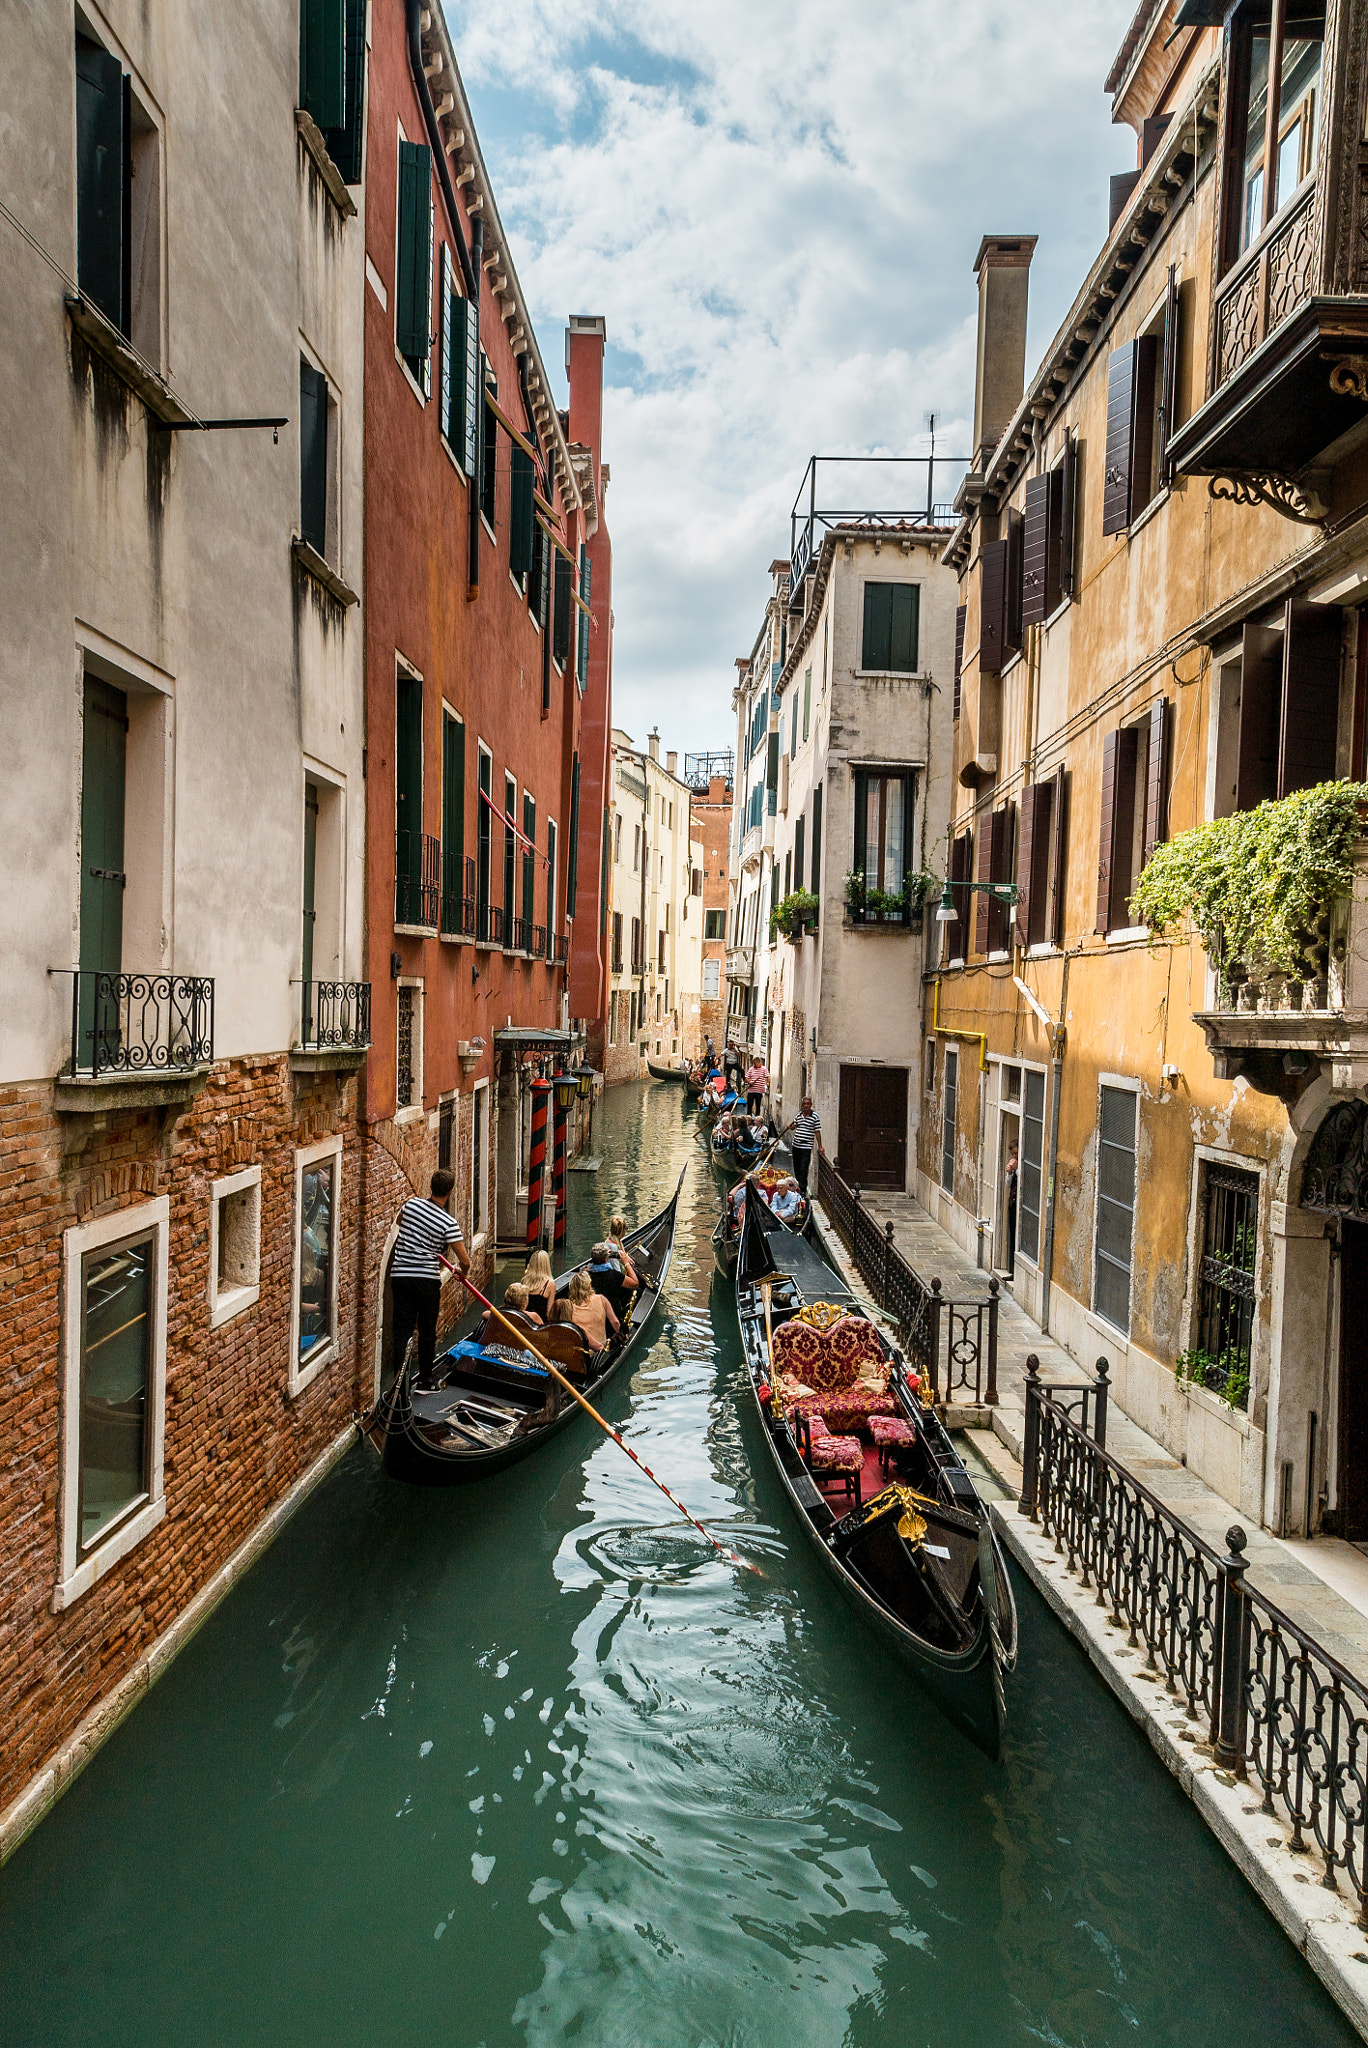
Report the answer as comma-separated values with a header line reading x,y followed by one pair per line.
x,y
617,1228
785,1201
592,1312
518,1306
608,1277
540,1283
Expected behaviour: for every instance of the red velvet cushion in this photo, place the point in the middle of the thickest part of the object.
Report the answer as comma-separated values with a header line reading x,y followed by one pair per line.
x,y
837,1454
797,1349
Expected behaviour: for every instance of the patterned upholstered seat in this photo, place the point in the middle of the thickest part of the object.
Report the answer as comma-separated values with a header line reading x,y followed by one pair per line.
x,y
890,1433
851,1408
844,1366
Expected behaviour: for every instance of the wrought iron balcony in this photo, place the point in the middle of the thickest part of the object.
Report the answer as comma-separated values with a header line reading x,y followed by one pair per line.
x,y
417,880
458,895
539,951
521,935
489,924
562,948
139,1025
335,1016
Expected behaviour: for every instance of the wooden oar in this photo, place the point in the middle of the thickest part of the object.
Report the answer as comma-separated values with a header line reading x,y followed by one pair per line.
x,y
520,1340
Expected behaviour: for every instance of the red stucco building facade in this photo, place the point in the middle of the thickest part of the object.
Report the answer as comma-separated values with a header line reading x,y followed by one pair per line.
x,y
488,662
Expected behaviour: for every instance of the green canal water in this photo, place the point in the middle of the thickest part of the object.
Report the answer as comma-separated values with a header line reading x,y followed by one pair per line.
x,y
525,1764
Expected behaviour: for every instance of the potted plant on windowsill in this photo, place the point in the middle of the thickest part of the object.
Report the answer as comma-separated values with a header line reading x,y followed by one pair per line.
x,y
795,915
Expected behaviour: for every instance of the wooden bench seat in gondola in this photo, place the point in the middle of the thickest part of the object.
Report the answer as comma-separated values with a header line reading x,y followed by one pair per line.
x,y
563,1343
844,1366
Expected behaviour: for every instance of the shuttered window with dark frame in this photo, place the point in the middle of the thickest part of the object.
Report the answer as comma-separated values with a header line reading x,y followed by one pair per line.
x,y
995,851
408,798
961,614
104,177
586,579
949,1117
799,849
1033,863
489,465
529,866
1128,469
883,821
346,140
520,519
1043,547
510,856
104,755
413,266
460,371
1134,812
1030,1178
564,607
453,824
572,851
323,61
1115,1218
889,642
957,931
484,833
816,884
313,456
993,565
1289,703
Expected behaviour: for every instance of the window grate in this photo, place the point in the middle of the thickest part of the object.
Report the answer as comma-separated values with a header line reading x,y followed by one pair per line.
x,y
404,1051
1225,1319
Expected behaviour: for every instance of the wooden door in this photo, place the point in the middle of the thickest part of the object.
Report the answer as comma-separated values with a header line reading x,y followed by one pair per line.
x,y
1353,1383
872,1141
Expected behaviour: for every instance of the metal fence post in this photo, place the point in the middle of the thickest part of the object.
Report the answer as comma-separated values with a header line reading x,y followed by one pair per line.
x,y
888,1262
934,1349
991,1391
1100,1409
1030,1448
1228,1717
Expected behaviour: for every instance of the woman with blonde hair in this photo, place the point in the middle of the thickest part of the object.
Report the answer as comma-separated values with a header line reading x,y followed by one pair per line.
x,y
616,1227
539,1282
592,1313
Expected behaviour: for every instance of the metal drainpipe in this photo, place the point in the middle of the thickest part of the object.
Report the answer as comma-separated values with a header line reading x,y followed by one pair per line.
x,y
1056,1077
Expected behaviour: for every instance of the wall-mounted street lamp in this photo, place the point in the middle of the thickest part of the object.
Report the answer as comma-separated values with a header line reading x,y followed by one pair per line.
x,y
946,913
567,1088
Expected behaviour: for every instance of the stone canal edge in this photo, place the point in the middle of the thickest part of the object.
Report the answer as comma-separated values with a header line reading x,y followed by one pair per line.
x,y
42,1793
1318,1920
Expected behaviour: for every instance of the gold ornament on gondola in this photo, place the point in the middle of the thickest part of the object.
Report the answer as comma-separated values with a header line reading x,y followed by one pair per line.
x,y
911,1523
821,1315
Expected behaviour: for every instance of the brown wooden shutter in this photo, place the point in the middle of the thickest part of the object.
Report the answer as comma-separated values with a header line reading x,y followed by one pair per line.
x,y
1123,826
1106,841
1156,779
1025,854
1116,477
1143,379
985,871
956,935
1059,808
1035,552
1312,640
1016,527
1168,399
1119,193
999,862
961,613
1256,773
992,606
1068,500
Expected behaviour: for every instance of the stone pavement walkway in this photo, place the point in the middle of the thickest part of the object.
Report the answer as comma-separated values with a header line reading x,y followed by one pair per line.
x,y
1322,1585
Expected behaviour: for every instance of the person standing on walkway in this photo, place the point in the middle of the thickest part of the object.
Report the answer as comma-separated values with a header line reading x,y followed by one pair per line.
x,y
1010,1191
757,1081
807,1132
426,1230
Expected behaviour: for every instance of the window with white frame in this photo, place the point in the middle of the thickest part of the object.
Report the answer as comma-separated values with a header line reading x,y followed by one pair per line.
x,y
234,1244
318,1193
408,1051
1030,1180
114,1390
1114,1227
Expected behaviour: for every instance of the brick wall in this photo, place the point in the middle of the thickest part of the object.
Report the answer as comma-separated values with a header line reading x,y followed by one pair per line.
x,y
235,1440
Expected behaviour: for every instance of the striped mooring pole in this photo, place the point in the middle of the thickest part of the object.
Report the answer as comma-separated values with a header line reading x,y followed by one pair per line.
x,y
558,1169
536,1167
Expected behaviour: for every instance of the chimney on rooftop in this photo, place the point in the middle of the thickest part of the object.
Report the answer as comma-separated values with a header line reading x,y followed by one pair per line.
x,y
1002,267
672,763
653,743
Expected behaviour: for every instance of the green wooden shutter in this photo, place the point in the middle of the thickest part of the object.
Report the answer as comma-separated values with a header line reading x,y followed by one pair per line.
x,y
529,874
346,143
878,626
902,629
310,868
453,788
101,176
586,579
313,456
816,882
447,303
413,269
470,417
799,835
520,520
572,853
489,464
807,704
323,61
560,636
484,827
408,790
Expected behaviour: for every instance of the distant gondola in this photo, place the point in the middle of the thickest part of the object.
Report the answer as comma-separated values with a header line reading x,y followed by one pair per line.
x,y
498,1404
727,1236
658,1071
915,1551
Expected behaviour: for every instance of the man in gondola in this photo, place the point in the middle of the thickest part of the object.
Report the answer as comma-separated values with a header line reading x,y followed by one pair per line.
x,y
427,1229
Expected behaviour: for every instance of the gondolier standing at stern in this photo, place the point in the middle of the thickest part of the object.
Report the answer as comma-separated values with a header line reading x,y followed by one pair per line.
x,y
426,1230
807,1132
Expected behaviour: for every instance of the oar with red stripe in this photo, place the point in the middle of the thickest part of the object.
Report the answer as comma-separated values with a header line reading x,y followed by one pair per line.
x,y
520,1340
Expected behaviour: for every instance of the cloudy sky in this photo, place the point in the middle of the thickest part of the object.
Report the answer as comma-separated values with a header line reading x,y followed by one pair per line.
x,y
776,207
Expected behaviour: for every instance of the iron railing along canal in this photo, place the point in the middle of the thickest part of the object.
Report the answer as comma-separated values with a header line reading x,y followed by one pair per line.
x,y
1277,1706
139,1023
952,1344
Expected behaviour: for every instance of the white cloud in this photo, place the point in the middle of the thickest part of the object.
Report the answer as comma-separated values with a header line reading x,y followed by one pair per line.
x,y
776,207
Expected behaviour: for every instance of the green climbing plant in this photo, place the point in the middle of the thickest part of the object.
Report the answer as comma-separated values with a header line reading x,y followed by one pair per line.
x,y
797,911
1254,887
1227,1375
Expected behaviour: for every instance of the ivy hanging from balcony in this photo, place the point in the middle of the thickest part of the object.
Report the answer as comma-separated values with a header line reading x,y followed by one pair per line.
x,y
1257,887
795,914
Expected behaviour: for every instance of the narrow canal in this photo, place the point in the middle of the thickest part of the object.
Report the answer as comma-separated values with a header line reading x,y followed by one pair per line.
x,y
523,1763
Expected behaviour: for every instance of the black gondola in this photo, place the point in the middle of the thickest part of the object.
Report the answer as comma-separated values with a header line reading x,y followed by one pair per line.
x,y
498,1405
658,1071
918,1558
726,1238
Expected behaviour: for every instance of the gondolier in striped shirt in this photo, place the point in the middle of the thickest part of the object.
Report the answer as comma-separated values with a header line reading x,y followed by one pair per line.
x,y
807,1132
427,1230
